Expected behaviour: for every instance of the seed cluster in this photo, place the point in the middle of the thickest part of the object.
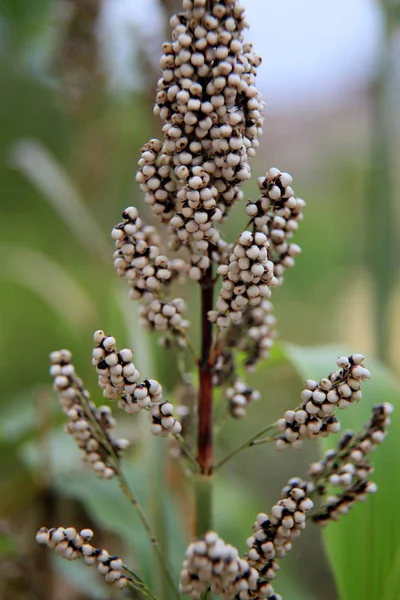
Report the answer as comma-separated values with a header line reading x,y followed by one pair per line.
x,y
340,504
247,278
154,178
119,378
162,419
348,466
88,425
319,400
273,535
212,564
277,213
224,367
253,336
239,396
167,317
138,257
117,375
71,545
213,116
255,333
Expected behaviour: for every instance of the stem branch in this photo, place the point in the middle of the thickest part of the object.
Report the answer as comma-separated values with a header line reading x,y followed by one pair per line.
x,y
126,490
186,451
205,410
205,399
137,584
251,442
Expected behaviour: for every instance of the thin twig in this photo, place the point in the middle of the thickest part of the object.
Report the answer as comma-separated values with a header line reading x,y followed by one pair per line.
x,y
252,440
247,444
186,451
266,440
126,490
189,345
137,584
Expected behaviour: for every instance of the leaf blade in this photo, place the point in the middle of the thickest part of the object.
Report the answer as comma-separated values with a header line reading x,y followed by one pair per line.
x,y
361,546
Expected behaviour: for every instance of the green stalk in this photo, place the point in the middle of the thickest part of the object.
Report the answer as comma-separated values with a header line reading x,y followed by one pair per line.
x,y
126,490
247,444
137,584
381,239
204,511
158,513
203,491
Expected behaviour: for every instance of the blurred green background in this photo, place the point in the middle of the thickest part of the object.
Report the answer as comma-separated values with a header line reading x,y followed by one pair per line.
x,y
69,143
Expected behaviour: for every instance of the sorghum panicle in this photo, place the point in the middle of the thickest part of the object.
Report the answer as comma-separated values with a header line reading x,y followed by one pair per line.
x,y
138,257
213,117
319,399
253,336
119,378
71,545
348,467
277,213
212,113
81,413
247,279
210,563
272,537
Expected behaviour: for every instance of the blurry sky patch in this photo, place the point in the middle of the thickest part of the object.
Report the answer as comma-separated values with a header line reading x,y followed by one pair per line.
x,y
312,51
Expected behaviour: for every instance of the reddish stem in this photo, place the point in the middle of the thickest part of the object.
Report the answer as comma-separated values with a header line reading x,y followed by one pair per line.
x,y
205,400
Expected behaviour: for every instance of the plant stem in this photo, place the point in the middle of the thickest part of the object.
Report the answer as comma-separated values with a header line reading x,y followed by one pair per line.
x,y
154,542
266,440
381,246
156,509
205,411
43,581
205,398
126,490
186,451
203,489
137,584
251,442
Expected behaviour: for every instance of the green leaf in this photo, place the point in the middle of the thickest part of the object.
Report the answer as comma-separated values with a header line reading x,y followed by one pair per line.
x,y
50,281
8,546
23,12
277,356
82,577
363,546
17,488
111,511
41,168
392,588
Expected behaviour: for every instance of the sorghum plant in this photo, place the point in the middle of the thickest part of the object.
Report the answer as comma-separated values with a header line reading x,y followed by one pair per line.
x,y
212,113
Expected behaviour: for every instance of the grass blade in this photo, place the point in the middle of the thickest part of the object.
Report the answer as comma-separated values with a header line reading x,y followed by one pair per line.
x,y
363,545
43,171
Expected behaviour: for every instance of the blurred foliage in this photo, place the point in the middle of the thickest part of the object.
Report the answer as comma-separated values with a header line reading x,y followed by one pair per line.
x,y
364,546
66,172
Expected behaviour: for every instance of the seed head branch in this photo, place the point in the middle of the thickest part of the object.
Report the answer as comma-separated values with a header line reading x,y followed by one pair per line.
x,y
88,424
315,416
119,378
93,438
348,468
